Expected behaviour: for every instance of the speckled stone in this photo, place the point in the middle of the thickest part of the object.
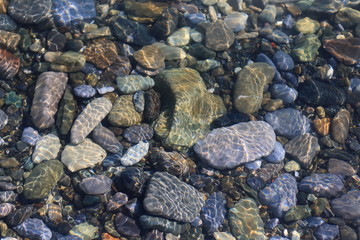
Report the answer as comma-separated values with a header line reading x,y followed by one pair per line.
x,y
47,148
220,148
213,213
245,221
89,118
280,195
34,228
283,61
322,185
150,57
42,179
305,49
303,148
218,36
344,50
106,139
102,53
180,37
33,12
123,113
171,198
116,201
166,23
126,225
84,91
152,105
30,136
139,101
9,40
283,92
134,154
84,231
84,155
9,64
96,185
322,126
340,125
298,212
249,86
133,83
162,224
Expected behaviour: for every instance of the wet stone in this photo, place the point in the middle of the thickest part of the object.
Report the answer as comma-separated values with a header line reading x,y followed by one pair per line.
x,y
42,179
305,49
133,179
3,119
134,154
180,37
95,185
9,40
298,212
347,206
56,41
154,235
307,25
123,113
7,196
223,236
322,185
139,101
170,52
30,136
34,228
126,225
327,232
213,213
116,201
322,126
68,62
139,133
288,122
245,221
67,112
236,21
218,36
268,14
6,23
199,51
340,126
339,167
106,139
19,215
150,57
280,196
84,231
283,92
347,17
277,155
6,209
344,50
102,53
47,148
255,139
9,63
347,232
303,148
33,12
162,224
89,118
171,198
166,23
249,86
84,91
120,67
269,171
84,155
283,61
133,83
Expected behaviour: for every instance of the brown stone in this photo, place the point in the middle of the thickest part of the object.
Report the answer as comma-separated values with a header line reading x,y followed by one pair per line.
x,y
344,50
3,6
340,126
150,57
322,126
120,68
340,167
9,40
9,64
152,105
218,36
102,53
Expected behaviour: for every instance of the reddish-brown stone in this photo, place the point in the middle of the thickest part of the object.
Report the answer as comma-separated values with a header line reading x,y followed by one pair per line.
x,y
102,53
344,50
9,64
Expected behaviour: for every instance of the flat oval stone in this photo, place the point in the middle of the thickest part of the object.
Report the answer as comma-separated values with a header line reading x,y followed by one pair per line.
x,y
67,112
305,49
347,206
68,62
106,139
84,155
283,61
42,179
139,133
102,53
84,91
96,185
213,213
30,136
34,228
255,139
236,21
171,198
139,101
83,230
134,154
218,36
47,148
322,185
120,67
277,155
33,12
133,83
9,40
150,57
170,52
19,215
6,23
89,118
50,87
116,201
9,64
344,50
162,224
123,113
268,14
3,119
126,225
340,125
288,122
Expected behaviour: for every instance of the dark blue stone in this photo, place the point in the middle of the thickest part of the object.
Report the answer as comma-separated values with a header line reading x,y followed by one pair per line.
x,y
277,155
195,18
263,58
322,185
255,182
84,91
355,86
33,228
112,159
272,223
6,23
326,232
283,92
196,222
289,22
90,68
280,196
69,12
213,213
80,218
278,37
254,165
314,222
291,78
283,61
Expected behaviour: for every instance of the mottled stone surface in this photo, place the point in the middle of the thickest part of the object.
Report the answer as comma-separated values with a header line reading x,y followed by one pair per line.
x,y
47,148
245,221
9,63
327,232
269,171
152,105
218,36
126,225
280,195
180,37
84,91
29,12
6,209
138,133
340,126
171,198
344,50
188,110
84,231
34,228
95,185
67,112
322,126
303,148
3,119
9,40
339,167
213,213
249,86
120,67
68,62
106,139
133,83
166,23
307,25
228,147
288,122
42,179
30,136
347,206
135,153
50,87
89,118
150,57
102,53
305,49
163,224
322,185
123,113
84,155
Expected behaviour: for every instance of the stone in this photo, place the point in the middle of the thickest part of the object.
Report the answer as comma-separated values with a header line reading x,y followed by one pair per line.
x,y
26,12
213,213
89,118
340,126
18,216
347,206
218,36
106,139
261,57
98,33
30,136
116,201
6,23
139,101
303,148
223,236
9,40
6,209
102,53
152,105
206,65
133,179
9,63
270,171
84,91
42,179
340,167
56,41
283,92
280,195
84,231
347,232
292,166
85,154
180,37
133,83
67,112
305,49
8,196
123,113
68,62
47,148
255,139
279,37
144,12
121,67
3,119
139,133
162,224
199,51
33,228
249,86
283,61
179,125
126,225
296,213
245,221
96,185
150,57
134,154
307,25
322,185
288,122
347,17
344,50
168,197
166,23
268,14
322,126
277,155
236,21
327,232
170,52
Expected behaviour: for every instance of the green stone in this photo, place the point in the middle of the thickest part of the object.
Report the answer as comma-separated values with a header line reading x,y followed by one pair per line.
x,y
123,113
306,48
69,62
67,112
85,231
298,212
347,17
292,166
206,65
319,206
12,98
307,25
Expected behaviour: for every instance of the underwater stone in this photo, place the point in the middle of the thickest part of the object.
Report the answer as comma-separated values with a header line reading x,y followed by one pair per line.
x,y
213,213
344,50
283,92
162,224
305,49
123,113
30,136
133,83
67,112
134,154
106,139
277,155
139,133
139,101
102,53
29,12
34,228
9,64
322,185
347,206
95,185
84,91
47,148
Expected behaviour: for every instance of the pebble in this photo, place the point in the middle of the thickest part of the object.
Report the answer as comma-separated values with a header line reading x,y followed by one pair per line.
x,y
292,166
322,185
139,101
327,232
150,57
347,206
106,139
344,50
101,53
218,36
10,64
223,236
3,119
283,92
116,201
56,41
268,14
96,185
277,155
296,213
6,23
305,49
152,105
18,216
171,162
126,225
47,148
322,126
133,179
261,143
162,224
134,154
68,62
307,25
30,136
26,12
139,133
84,91
263,58
83,231
133,83
34,228
123,113
166,23
340,126
340,167
6,209
67,112
213,213
283,61
180,37
236,21
171,53
279,37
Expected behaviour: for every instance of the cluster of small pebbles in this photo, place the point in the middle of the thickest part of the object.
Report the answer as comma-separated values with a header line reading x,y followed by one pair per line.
x,y
179,120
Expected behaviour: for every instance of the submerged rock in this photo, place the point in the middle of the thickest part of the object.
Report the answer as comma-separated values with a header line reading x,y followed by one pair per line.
x,y
344,50
123,113
139,133
47,148
34,228
9,63
33,12
135,153
95,185
305,49
163,224
67,112
340,126
102,53
213,213
322,185
347,206
218,36
106,139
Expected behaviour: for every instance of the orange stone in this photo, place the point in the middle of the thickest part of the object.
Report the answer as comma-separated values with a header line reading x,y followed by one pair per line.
x,y
322,126
106,236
